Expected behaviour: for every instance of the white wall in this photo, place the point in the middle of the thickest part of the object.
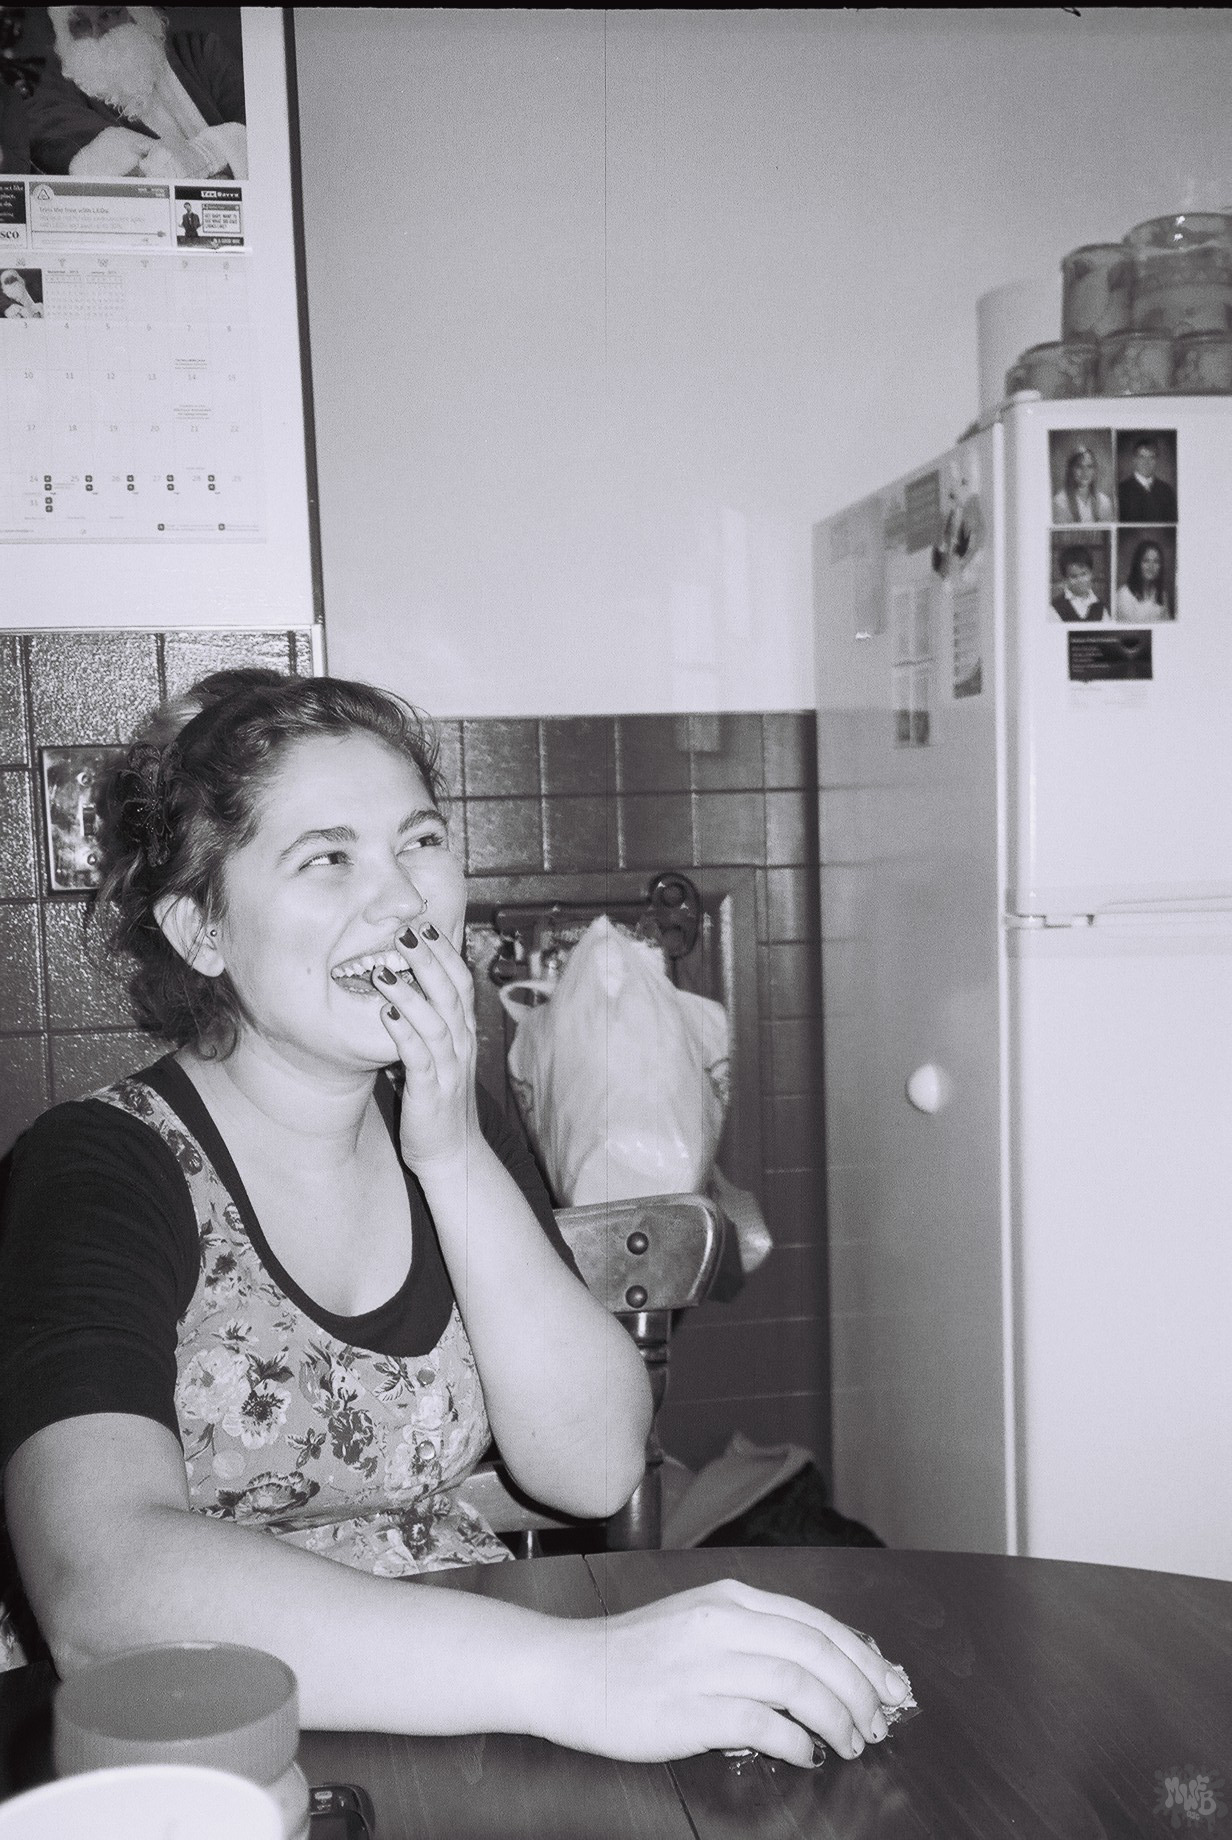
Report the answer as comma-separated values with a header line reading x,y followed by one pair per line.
x,y
608,308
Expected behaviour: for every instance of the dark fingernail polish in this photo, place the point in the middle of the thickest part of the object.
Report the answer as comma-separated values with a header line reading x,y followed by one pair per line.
x,y
819,1754
393,1014
384,975
408,939
430,932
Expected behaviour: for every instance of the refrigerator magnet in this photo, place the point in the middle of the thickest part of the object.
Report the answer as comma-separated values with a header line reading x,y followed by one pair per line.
x,y
1100,658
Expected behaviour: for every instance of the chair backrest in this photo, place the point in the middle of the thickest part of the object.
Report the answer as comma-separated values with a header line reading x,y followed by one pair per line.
x,y
643,1258
653,1252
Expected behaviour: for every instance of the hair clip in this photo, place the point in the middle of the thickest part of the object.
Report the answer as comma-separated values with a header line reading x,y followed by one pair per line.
x,y
152,769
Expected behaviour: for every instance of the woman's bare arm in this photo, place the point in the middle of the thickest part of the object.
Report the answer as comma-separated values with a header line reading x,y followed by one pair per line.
x,y
112,1556
565,1388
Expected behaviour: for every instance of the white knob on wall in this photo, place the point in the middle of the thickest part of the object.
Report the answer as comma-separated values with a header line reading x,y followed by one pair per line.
x,y
930,1088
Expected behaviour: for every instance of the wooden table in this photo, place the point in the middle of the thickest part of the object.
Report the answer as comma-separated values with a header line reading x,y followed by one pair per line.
x,y
1055,1701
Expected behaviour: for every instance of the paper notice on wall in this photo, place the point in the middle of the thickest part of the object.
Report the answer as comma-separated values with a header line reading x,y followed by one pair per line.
x,y
849,567
968,666
900,704
129,402
923,511
921,704
867,564
79,213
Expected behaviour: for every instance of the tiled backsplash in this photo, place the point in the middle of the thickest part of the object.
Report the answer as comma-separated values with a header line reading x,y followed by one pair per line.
x,y
65,1025
577,794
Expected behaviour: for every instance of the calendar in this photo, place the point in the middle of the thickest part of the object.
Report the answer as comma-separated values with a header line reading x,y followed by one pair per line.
x,y
129,398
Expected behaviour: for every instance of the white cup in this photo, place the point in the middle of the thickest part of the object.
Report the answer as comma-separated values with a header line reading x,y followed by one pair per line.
x,y
144,1801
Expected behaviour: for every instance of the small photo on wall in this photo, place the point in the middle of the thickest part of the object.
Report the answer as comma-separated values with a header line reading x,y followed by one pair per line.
x,y
1146,576
1083,476
1146,476
1080,575
21,293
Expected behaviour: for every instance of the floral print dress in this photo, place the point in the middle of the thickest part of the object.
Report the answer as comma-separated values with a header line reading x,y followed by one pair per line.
x,y
286,1427
337,1449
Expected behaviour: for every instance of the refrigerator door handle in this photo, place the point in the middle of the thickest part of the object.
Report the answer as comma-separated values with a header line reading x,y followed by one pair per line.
x,y
930,1088
1038,923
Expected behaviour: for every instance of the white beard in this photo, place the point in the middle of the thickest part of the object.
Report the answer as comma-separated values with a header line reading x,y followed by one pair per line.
x,y
121,69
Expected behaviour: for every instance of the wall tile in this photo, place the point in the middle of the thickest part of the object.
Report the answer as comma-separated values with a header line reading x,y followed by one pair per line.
x,y
582,834
23,1086
656,832
791,828
500,759
648,755
91,687
735,1360
763,981
793,1130
791,1283
792,901
794,1203
188,656
729,827
17,830
21,984
14,742
578,755
792,1055
503,834
795,978
737,764
80,1064
449,735
301,653
790,747
85,991
761,906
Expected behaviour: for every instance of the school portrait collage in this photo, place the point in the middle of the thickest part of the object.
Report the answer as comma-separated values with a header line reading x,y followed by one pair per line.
x,y
1113,544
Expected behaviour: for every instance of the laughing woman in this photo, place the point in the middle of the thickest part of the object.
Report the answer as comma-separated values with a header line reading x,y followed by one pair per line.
x,y
264,1305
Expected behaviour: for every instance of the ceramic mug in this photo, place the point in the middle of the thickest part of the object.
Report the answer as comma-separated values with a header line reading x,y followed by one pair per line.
x,y
144,1802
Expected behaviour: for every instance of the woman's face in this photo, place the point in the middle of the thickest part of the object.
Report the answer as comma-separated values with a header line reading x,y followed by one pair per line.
x,y
349,849
1084,472
1151,565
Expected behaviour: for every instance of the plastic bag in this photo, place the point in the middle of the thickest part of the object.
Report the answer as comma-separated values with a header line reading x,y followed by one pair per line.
x,y
620,1076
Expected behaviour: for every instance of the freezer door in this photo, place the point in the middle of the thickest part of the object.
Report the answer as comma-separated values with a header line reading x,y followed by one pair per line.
x,y
1122,1091
1120,785
907,733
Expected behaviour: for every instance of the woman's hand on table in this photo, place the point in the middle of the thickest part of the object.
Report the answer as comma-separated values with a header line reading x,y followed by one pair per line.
x,y
429,1013
722,1667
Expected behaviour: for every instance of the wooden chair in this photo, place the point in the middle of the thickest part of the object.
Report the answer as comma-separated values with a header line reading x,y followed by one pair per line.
x,y
644,1259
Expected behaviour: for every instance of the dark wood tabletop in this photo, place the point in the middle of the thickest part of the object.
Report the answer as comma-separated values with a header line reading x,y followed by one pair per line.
x,y
1056,1702
503,1787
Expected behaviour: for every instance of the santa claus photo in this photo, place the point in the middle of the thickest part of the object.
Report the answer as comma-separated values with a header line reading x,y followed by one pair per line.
x,y
130,92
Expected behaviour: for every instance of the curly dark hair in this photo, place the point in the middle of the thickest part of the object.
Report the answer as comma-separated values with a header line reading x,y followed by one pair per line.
x,y
184,798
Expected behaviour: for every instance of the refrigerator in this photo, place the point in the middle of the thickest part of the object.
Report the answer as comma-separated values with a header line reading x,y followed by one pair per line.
x,y
1026,915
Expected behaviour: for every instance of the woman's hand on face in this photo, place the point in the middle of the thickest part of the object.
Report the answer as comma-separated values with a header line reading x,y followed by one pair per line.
x,y
429,1013
724,1667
